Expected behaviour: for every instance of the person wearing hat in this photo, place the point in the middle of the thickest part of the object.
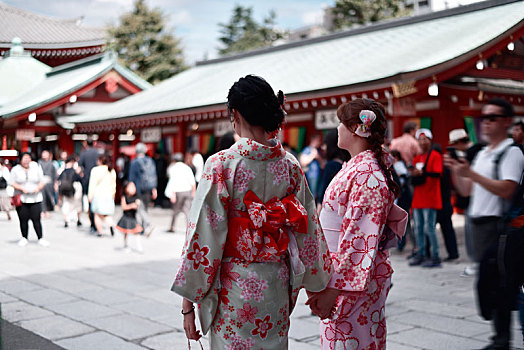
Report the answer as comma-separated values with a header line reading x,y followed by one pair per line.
x,y
426,199
492,180
180,188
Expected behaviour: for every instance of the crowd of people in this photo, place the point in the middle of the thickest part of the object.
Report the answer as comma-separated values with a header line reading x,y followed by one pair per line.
x,y
87,183
264,222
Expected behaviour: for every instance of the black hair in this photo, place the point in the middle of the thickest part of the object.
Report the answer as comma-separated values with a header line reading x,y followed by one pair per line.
x,y
395,154
409,127
256,101
519,124
332,149
227,140
502,103
70,158
23,154
105,159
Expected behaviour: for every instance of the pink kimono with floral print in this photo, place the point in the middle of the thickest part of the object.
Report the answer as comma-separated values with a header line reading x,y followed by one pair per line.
x,y
354,213
253,240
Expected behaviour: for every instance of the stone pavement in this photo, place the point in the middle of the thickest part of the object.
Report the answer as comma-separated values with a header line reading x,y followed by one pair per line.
x,y
85,292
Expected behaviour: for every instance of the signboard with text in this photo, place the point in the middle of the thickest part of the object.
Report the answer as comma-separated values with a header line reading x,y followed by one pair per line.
x,y
326,119
151,135
221,127
25,134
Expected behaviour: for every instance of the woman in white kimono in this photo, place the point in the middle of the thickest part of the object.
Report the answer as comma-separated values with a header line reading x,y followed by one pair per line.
x,y
253,237
360,221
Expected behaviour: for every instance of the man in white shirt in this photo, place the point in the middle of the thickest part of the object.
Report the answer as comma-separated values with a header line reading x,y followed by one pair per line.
x,y
180,188
491,191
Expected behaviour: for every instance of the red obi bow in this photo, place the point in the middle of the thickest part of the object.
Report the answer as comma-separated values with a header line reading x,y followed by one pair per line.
x,y
258,234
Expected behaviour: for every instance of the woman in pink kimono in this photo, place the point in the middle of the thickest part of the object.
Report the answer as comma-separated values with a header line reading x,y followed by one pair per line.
x,y
356,208
253,237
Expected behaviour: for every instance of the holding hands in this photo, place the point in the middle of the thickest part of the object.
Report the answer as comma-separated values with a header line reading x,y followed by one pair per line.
x,y
323,304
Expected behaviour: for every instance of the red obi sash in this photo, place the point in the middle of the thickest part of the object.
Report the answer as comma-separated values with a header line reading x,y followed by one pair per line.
x,y
259,234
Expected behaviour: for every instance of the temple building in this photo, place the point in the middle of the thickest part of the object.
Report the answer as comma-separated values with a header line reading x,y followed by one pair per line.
x,y
34,96
50,40
437,69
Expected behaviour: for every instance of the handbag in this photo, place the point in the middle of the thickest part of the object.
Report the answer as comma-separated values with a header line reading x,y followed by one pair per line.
x,y
417,180
16,200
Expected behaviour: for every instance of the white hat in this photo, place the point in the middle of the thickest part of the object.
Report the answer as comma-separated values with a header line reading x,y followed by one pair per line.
x,y
425,132
457,134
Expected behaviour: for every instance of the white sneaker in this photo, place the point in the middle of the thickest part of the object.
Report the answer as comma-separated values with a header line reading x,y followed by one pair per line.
x,y
43,243
470,270
22,242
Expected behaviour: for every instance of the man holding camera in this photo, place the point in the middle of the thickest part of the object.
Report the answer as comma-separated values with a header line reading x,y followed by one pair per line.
x,y
491,180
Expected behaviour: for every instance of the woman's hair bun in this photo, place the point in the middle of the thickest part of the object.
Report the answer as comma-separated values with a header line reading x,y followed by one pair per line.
x,y
281,98
256,101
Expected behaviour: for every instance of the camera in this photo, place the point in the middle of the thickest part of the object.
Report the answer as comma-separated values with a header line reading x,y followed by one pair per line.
x,y
452,151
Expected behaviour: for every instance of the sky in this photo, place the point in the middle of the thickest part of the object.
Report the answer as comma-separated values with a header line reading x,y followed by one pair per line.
x,y
195,22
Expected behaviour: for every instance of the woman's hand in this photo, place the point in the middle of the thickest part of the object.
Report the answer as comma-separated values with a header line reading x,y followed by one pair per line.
x,y
323,303
189,321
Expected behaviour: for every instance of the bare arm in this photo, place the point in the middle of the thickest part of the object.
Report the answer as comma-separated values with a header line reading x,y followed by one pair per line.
x,y
306,159
126,206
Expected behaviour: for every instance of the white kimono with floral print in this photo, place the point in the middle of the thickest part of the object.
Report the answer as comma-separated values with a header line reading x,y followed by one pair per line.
x,y
247,303
354,213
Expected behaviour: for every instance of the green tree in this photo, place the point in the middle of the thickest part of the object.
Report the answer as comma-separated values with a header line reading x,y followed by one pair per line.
x,y
349,12
144,45
243,33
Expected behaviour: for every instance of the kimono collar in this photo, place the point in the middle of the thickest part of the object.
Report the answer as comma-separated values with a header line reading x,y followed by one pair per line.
x,y
368,155
253,150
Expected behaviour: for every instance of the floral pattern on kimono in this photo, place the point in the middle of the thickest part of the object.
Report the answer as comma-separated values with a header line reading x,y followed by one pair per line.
x,y
251,208
354,213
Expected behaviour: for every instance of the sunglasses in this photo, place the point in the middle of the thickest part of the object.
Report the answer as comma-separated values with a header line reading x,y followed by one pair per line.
x,y
491,117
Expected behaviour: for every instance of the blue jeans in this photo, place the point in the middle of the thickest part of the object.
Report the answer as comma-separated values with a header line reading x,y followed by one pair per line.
x,y
425,225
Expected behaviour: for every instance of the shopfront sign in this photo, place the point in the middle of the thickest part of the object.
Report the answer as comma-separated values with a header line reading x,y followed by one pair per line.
x,y
151,135
326,119
221,127
25,134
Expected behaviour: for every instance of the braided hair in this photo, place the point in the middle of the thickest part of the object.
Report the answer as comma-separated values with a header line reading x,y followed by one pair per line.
x,y
348,114
256,101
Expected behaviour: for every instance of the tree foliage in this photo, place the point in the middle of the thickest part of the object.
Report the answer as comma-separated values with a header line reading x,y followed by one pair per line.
x,y
243,33
144,45
349,12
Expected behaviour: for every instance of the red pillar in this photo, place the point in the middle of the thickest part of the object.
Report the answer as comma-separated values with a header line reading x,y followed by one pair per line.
x,y
180,138
116,147
24,147
65,141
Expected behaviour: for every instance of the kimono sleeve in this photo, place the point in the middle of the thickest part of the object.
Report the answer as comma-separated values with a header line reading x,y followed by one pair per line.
x,y
205,237
363,221
312,246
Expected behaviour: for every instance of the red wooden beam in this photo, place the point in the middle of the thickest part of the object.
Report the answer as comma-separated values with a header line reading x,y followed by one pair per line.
x,y
496,73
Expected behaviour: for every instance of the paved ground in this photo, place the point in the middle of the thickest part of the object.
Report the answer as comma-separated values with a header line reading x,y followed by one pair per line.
x,y
85,292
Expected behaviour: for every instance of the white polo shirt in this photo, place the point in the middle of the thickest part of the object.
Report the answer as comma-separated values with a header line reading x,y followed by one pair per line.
x,y
181,179
483,202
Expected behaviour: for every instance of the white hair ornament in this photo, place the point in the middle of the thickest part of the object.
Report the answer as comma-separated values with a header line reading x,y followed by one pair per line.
x,y
367,117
